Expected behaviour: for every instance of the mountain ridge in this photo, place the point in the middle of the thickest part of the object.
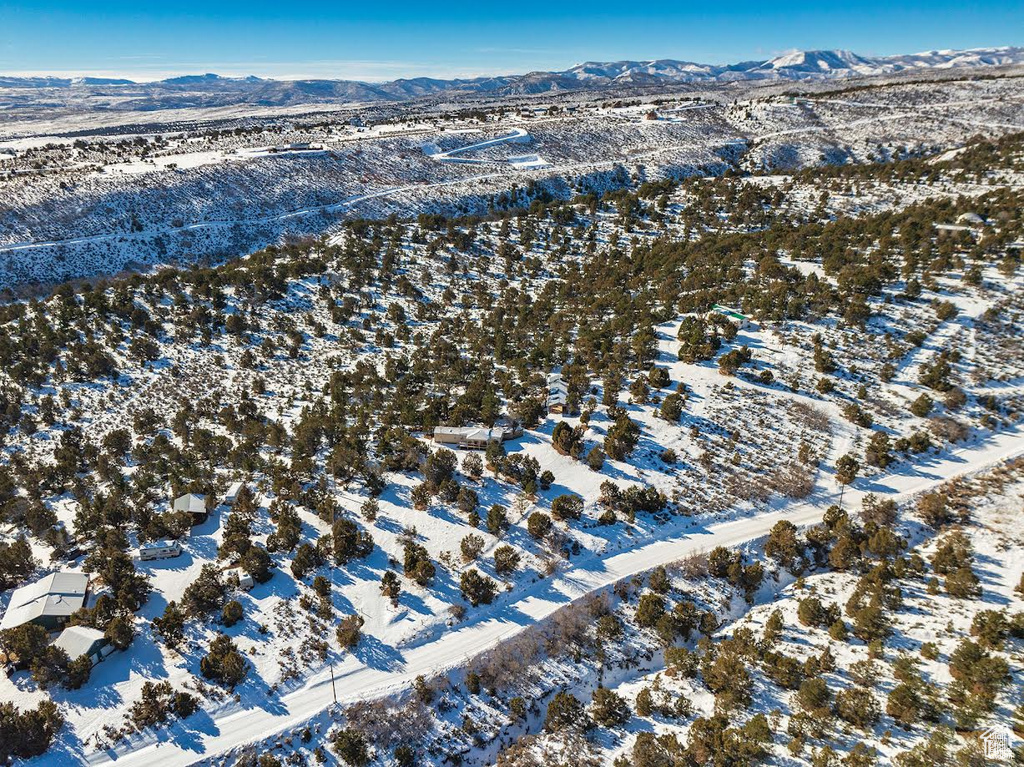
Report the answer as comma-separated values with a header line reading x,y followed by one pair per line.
x,y
811,65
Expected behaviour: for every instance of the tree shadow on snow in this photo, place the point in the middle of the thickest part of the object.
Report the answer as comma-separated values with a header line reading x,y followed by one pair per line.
x,y
373,653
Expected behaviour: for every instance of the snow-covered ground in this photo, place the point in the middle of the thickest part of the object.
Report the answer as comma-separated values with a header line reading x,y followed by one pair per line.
x,y
259,345
232,726
925,619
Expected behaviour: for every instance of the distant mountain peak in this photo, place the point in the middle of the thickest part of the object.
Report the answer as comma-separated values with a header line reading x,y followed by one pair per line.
x,y
189,79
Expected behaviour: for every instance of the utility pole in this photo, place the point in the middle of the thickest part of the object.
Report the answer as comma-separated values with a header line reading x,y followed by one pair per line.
x,y
334,565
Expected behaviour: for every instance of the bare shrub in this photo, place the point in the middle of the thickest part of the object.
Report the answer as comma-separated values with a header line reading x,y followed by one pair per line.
x,y
565,747
947,429
792,480
812,417
387,724
746,487
567,628
693,566
503,665
598,605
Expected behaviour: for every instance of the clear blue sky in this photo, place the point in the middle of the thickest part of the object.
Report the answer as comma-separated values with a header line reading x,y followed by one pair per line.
x,y
377,40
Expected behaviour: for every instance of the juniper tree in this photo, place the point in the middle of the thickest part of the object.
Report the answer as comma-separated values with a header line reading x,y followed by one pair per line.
x,y
477,588
391,587
223,663
497,520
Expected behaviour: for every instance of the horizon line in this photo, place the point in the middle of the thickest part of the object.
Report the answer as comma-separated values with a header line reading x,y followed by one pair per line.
x,y
432,72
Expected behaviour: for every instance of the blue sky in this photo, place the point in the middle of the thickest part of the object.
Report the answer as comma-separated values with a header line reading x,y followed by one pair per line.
x,y
378,41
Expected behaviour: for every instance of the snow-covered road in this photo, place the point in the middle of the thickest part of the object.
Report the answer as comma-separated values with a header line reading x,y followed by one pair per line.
x,y
518,135
189,742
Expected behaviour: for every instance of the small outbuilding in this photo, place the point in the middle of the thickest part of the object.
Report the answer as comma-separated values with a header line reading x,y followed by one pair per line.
x,y
48,602
245,581
77,641
232,494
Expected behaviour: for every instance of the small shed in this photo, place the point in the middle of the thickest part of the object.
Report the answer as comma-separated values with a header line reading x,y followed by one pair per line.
x,y
193,504
77,641
245,581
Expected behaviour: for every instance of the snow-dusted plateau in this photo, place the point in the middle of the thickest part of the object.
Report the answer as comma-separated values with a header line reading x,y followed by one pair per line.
x,y
643,414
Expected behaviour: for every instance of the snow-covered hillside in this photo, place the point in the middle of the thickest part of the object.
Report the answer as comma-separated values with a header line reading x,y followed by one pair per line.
x,y
735,352
80,209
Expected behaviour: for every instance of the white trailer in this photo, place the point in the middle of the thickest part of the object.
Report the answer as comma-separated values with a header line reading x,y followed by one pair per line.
x,y
160,550
232,494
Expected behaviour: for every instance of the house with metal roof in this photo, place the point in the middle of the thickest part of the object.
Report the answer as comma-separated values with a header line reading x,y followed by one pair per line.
x,y
77,641
192,504
732,314
48,602
466,436
558,394
476,437
970,219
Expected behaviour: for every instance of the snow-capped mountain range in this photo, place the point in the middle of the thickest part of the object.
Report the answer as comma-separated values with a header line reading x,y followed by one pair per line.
x,y
796,65
213,90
